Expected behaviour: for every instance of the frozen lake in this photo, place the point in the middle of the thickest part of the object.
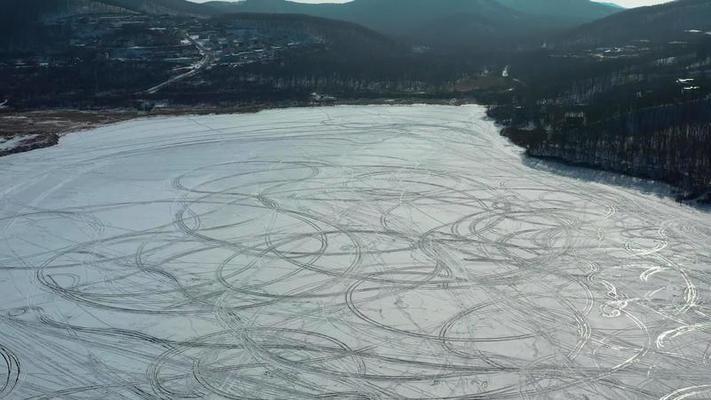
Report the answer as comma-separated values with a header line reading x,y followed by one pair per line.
x,y
340,253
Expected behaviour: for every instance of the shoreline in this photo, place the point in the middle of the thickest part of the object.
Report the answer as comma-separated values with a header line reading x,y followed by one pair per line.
x,y
39,129
678,191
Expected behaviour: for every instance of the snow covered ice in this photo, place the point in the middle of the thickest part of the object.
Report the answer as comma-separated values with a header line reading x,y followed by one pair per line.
x,y
340,253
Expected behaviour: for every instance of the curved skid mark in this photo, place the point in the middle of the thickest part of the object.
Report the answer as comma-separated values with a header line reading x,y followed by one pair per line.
x,y
9,372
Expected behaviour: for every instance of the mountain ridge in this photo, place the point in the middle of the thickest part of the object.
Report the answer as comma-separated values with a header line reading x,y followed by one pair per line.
x,y
455,23
679,20
458,24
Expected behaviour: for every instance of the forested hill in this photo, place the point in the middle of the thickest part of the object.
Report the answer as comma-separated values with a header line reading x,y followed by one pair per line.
x,y
78,53
663,23
630,93
28,10
170,7
575,10
22,21
570,12
444,23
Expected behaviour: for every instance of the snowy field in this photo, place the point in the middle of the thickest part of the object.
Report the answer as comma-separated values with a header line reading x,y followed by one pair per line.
x,y
340,253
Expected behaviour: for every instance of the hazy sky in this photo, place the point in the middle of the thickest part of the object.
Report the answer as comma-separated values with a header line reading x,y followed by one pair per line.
x,y
624,3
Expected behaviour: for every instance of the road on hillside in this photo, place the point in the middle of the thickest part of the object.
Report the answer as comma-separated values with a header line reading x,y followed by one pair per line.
x,y
208,59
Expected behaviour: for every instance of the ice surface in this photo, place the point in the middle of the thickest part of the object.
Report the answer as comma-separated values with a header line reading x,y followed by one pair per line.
x,y
340,253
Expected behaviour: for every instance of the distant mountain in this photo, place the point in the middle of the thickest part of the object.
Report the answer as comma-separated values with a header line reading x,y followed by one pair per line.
x,y
569,11
18,12
389,16
613,5
341,36
169,7
681,20
458,24
479,23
